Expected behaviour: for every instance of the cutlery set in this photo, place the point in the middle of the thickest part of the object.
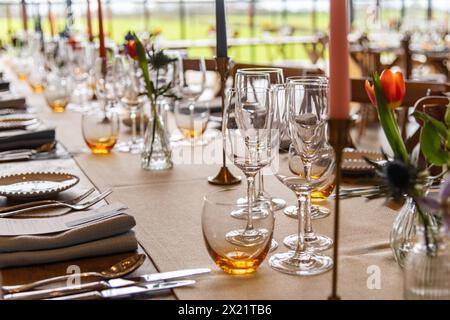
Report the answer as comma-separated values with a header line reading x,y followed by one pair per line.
x,y
111,285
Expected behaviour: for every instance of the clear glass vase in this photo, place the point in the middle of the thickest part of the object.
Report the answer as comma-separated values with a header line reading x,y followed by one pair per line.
x,y
156,153
402,237
427,266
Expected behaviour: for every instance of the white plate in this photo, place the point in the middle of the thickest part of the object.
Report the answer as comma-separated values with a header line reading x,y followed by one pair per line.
x,y
36,184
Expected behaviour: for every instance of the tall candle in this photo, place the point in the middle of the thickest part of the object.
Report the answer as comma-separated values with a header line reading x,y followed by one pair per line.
x,y
101,35
50,18
89,21
221,30
339,64
24,16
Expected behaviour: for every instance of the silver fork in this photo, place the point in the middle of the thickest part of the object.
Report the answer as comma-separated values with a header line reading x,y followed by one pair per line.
x,y
42,202
76,207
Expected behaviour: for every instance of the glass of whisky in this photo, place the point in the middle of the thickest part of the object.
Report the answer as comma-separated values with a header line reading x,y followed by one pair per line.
x,y
100,130
217,222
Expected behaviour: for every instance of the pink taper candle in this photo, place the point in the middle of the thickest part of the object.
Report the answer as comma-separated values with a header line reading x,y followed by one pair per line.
x,y
339,65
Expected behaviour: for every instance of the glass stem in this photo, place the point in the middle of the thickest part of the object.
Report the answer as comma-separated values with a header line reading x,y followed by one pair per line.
x,y
250,192
133,126
307,210
301,215
261,185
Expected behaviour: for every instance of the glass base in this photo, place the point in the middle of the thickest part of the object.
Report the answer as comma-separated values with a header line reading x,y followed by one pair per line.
x,y
278,204
317,212
315,242
257,213
247,238
129,147
273,246
304,264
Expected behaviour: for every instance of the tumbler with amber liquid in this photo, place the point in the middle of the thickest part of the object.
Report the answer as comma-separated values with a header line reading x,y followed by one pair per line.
x,y
100,130
217,223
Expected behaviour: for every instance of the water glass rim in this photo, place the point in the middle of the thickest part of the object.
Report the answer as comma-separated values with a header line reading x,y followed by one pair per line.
x,y
257,70
219,202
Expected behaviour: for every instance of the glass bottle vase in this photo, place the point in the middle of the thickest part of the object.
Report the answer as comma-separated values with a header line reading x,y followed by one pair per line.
x,y
156,153
427,266
402,237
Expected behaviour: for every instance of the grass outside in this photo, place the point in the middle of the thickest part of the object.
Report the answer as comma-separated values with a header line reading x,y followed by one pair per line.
x,y
197,27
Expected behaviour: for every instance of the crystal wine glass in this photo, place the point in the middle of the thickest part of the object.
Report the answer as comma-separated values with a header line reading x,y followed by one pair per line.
x,y
307,107
248,141
249,78
317,211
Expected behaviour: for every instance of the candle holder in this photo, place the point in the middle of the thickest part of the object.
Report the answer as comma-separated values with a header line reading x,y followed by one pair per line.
x,y
339,132
224,177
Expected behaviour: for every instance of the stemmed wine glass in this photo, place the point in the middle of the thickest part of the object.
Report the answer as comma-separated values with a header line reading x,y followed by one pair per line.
x,y
317,211
307,111
294,170
192,82
248,141
127,89
249,78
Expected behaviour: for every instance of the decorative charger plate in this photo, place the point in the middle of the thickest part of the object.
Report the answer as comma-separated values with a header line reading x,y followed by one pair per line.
x,y
353,162
17,121
36,184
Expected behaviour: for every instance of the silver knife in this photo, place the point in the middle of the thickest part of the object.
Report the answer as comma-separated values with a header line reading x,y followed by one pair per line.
x,y
108,284
128,291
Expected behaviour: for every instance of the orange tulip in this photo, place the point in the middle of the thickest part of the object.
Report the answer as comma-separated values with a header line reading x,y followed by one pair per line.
x,y
131,49
393,86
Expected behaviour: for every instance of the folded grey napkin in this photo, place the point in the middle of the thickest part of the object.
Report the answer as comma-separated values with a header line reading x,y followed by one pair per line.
x,y
19,139
106,228
118,244
12,101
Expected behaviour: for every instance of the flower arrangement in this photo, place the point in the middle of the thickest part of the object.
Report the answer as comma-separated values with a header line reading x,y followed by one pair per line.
x,y
400,177
153,60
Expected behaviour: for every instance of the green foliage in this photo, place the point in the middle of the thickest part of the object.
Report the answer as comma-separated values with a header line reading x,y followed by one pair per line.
x,y
435,138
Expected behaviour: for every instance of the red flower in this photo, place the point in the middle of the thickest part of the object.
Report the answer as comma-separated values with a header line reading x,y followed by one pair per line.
x,y
393,86
131,49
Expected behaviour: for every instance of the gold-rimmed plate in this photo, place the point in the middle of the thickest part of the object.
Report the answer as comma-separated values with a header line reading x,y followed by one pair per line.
x,y
353,162
17,121
35,185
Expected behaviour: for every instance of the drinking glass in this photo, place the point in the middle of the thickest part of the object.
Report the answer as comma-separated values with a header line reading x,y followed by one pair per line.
x,y
317,211
100,128
302,260
108,86
127,89
57,91
248,143
307,109
37,74
80,65
249,78
216,225
192,119
192,82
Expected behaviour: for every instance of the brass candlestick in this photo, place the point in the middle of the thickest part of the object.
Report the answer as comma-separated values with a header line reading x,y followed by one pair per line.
x,y
224,177
339,132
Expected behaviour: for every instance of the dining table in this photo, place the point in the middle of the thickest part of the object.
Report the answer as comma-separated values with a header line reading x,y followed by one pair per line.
x,y
167,206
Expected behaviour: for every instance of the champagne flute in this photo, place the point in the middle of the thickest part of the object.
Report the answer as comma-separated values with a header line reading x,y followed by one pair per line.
x,y
247,138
